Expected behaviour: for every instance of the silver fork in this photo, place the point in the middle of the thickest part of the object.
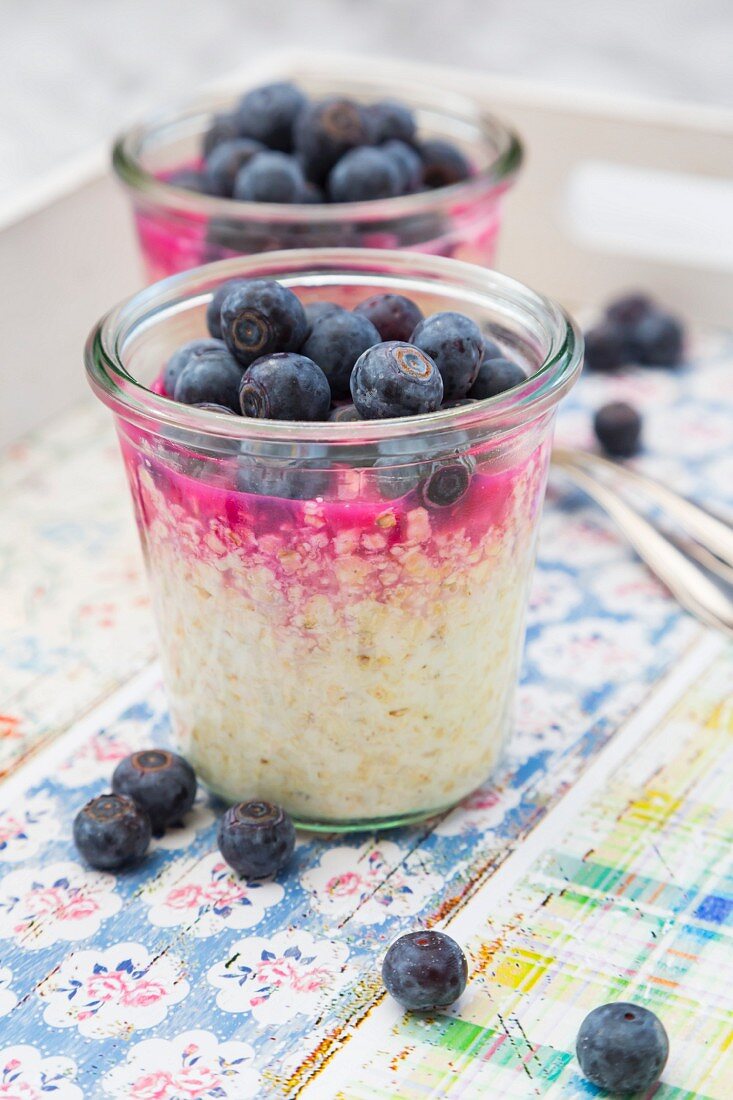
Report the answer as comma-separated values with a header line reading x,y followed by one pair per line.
x,y
708,540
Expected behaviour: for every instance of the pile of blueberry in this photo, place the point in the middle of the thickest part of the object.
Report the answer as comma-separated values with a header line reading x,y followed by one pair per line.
x,y
276,146
633,330
153,790
269,356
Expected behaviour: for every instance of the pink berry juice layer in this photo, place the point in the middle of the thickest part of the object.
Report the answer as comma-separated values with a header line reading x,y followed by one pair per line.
x,y
172,243
350,657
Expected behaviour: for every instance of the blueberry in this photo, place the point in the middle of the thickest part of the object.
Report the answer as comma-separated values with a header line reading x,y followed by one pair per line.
x,y
395,379
392,120
629,309
491,349
622,1048
260,317
162,782
459,403
292,479
658,340
256,838
606,346
618,428
178,360
315,310
225,161
211,377
270,177
285,386
409,165
224,127
454,342
448,482
496,376
268,113
398,476
394,316
325,130
344,414
363,174
211,406
190,180
213,309
424,970
443,163
336,341
111,831
313,195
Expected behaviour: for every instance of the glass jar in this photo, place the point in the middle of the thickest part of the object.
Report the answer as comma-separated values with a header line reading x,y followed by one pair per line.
x,y
180,229
340,605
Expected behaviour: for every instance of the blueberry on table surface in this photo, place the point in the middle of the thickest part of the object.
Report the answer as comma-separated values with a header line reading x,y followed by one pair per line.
x,y
409,165
394,316
658,340
224,127
622,1047
256,838
112,831
213,310
260,317
335,342
225,161
454,343
182,356
392,120
327,129
268,114
425,970
495,376
212,377
629,309
607,346
364,174
618,429
270,177
344,414
395,379
443,163
160,781
448,482
285,386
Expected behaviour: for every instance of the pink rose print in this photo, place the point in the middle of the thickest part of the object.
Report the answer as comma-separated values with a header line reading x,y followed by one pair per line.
x,y
197,1067
157,1085
184,897
345,885
143,994
107,986
24,832
61,901
197,1081
26,1075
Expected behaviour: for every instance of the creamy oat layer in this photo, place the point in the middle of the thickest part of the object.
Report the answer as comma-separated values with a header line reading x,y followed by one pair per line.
x,y
349,661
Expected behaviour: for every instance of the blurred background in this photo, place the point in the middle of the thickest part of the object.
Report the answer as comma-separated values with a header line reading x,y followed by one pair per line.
x,y
73,71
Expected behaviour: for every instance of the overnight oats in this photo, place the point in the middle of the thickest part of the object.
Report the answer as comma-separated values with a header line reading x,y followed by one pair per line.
x,y
340,598
315,162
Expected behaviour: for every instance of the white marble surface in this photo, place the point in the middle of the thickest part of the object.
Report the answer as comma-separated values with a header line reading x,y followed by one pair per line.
x,y
73,71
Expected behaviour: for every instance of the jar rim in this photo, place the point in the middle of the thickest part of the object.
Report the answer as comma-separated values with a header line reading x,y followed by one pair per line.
x,y
134,402
497,174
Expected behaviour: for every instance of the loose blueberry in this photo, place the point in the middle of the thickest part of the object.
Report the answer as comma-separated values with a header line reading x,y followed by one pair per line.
x,y
336,341
606,346
261,317
447,482
225,161
178,360
658,340
190,180
618,429
162,782
364,174
213,310
622,1048
392,120
256,838
409,165
424,970
325,130
394,316
344,414
629,309
443,164
211,377
223,128
395,379
496,376
112,831
285,386
454,342
268,114
270,177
